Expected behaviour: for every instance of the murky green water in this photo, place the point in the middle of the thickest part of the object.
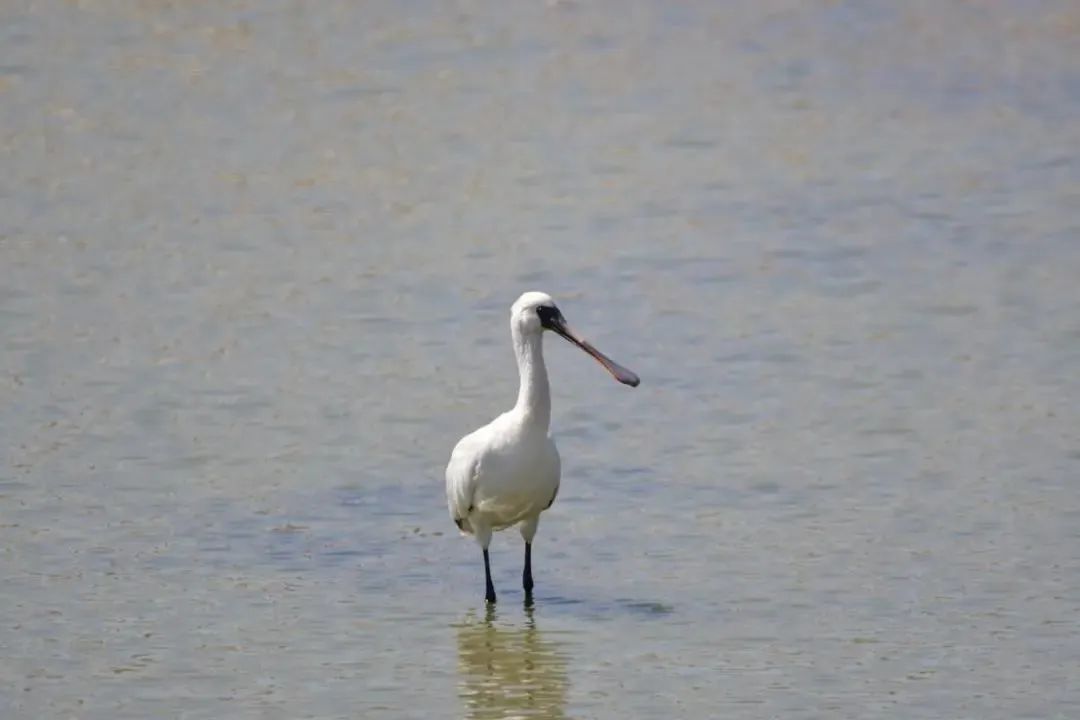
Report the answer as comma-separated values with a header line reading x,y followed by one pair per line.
x,y
257,259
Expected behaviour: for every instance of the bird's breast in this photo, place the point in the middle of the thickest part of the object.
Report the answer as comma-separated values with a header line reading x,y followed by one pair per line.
x,y
518,481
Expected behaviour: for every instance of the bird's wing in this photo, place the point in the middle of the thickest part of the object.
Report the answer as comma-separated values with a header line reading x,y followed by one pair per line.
x,y
461,474
556,468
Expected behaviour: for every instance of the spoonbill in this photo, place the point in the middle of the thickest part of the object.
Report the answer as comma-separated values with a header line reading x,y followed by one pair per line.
x,y
507,472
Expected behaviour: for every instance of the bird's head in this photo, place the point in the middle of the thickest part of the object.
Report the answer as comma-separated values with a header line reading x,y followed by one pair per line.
x,y
535,312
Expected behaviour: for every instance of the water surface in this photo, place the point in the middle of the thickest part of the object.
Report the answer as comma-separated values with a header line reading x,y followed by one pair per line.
x,y
257,261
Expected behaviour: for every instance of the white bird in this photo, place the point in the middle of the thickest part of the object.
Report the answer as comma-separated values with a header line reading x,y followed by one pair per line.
x,y
507,472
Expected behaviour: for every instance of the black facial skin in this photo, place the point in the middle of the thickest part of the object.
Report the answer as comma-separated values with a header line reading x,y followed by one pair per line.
x,y
550,317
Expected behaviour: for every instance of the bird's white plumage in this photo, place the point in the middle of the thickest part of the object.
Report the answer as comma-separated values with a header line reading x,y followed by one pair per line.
x,y
501,474
507,472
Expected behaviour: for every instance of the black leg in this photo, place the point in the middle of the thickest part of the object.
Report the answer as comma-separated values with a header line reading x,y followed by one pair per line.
x,y
490,589
526,576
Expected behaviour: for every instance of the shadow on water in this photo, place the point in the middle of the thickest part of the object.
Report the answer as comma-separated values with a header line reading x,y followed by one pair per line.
x,y
604,609
508,671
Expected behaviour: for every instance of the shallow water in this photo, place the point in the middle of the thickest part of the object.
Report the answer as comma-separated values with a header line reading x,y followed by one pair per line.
x,y
257,263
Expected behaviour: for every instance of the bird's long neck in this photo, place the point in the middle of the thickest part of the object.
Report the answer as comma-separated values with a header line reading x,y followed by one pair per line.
x,y
534,395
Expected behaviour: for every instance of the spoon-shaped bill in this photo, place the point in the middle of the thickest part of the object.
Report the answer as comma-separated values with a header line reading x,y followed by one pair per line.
x,y
623,375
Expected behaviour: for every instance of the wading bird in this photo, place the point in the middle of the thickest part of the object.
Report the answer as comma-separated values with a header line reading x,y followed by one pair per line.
x,y
507,472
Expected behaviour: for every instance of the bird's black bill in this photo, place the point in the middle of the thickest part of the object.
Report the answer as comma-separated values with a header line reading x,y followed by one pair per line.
x,y
555,322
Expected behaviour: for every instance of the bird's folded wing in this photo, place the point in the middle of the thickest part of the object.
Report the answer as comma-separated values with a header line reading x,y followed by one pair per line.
x,y
461,474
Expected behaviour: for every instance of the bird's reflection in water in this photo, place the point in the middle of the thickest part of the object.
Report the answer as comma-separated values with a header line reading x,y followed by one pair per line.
x,y
510,671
